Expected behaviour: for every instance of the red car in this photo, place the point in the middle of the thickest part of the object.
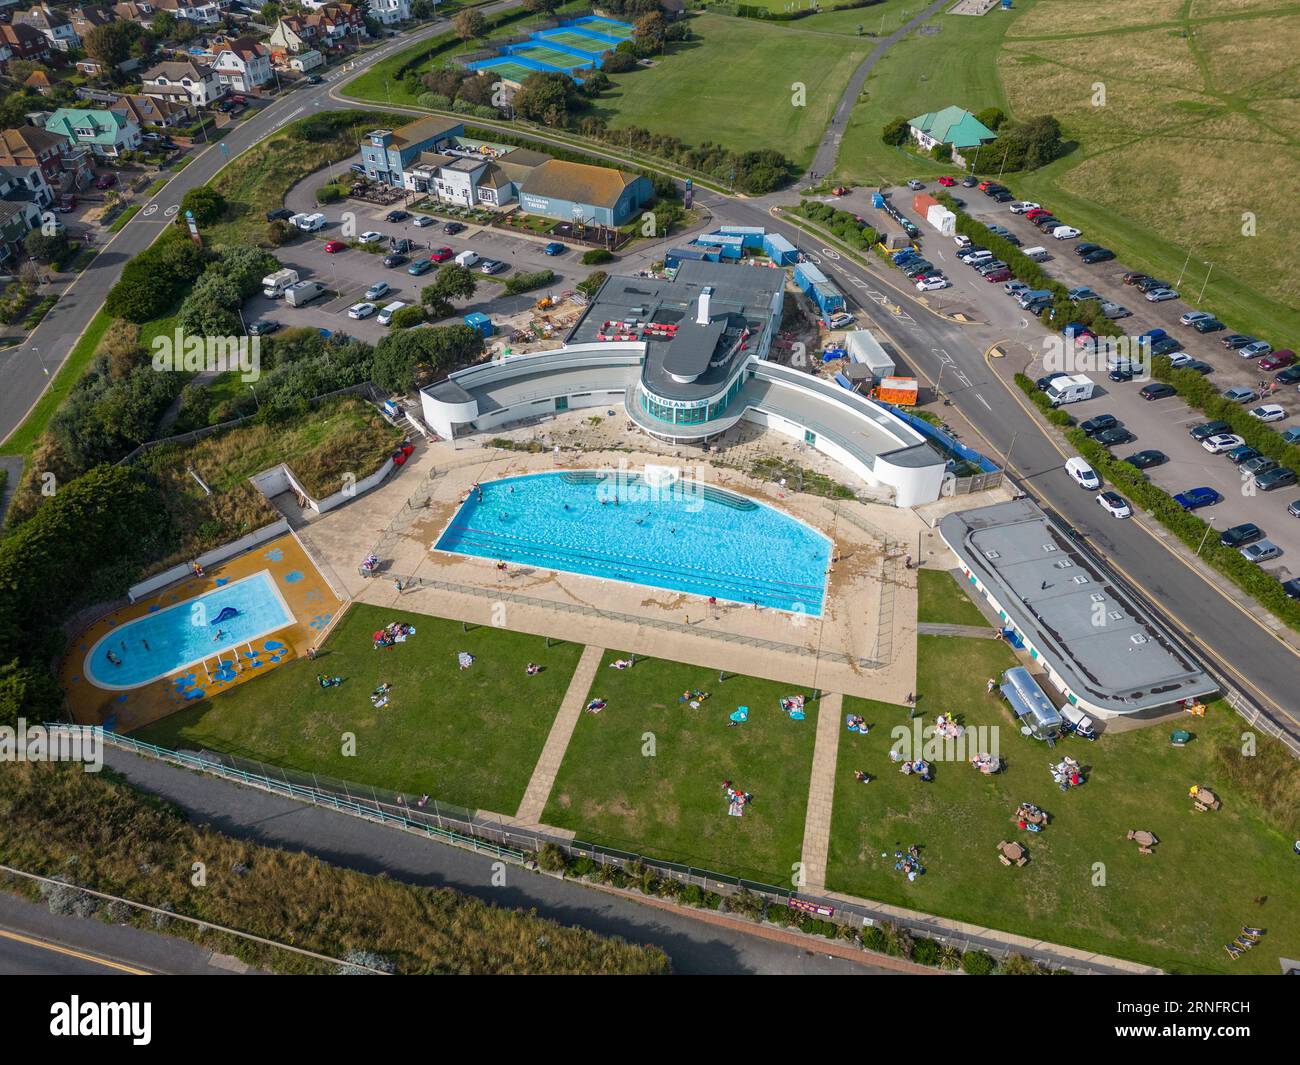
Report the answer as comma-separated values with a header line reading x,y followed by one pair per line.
x,y
105,181
1277,360
1037,212
331,246
238,99
984,185
998,275
440,255
947,182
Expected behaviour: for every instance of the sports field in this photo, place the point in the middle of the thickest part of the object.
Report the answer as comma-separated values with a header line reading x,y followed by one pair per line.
x,y
735,84
560,60
581,41
506,69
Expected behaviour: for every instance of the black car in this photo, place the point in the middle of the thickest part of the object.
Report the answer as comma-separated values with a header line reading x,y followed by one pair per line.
x,y
1157,390
1289,376
1150,283
280,213
402,244
1101,255
918,268
969,181
1208,429
1280,477
1111,437
1197,366
1083,249
1043,382
1012,239
1121,374
1133,277
1099,424
260,327
1166,346
452,228
1233,341
314,79
1003,197
1292,588
396,259
992,188
1208,325
1047,221
1144,460
1241,535
397,216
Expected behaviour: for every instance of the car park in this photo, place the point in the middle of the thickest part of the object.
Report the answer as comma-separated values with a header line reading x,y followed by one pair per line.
x,y
1114,437
1114,504
1157,390
260,327
1261,551
1144,460
1280,477
1221,442
361,310
1208,325
378,290
332,246
1101,255
1196,498
394,259
1269,412
1241,535
420,266
932,284
1255,349
1161,295
1099,423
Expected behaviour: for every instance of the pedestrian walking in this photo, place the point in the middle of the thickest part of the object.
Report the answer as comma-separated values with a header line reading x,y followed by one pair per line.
x,y
397,583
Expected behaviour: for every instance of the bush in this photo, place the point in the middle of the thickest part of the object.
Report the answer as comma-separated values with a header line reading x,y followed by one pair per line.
x,y
526,282
896,132
329,194
977,963
596,257
206,204
408,317
591,284
925,952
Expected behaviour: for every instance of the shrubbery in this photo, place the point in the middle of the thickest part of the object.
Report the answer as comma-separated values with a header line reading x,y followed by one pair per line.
x,y
152,282
596,257
526,282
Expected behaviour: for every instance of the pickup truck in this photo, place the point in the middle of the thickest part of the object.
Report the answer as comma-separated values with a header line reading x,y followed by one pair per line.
x,y
1195,498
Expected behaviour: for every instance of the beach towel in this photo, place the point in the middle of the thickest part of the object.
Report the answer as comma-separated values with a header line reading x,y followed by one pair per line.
x,y
465,659
741,713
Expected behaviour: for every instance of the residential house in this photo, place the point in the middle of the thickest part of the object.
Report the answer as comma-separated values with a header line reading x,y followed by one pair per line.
x,y
291,36
202,12
21,41
336,23
388,154
65,165
25,184
87,17
105,132
156,111
386,12
183,79
17,219
51,24
40,81
133,12
953,127
243,65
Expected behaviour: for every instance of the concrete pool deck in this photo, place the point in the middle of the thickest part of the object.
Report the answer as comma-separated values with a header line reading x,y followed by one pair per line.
x,y
864,643
304,590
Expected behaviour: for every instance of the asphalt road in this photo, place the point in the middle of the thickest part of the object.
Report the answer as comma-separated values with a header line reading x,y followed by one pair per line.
x,y
245,813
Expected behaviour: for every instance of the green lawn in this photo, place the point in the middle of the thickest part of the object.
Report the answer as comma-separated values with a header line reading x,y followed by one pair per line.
x,y
732,85
469,737
939,598
1174,909
671,805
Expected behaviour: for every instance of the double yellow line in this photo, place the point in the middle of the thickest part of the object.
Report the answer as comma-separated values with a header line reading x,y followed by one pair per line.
x,y
69,952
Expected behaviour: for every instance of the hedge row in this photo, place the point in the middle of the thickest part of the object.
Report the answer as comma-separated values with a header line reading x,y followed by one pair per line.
x,y
1190,529
525,282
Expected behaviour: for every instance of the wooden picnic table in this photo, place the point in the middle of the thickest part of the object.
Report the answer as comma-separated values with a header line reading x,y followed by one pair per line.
x,y
1144,838
1014,851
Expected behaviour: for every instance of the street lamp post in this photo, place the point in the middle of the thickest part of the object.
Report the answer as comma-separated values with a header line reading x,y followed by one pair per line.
x,y
1207,281
1209,527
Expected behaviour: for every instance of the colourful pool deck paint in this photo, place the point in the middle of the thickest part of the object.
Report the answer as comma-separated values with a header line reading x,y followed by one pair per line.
x,y
283,605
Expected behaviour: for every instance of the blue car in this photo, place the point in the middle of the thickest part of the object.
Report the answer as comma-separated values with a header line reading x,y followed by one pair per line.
x,y
555,248
1195,498
420,266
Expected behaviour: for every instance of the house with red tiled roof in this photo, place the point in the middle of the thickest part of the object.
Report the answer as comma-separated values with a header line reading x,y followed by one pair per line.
x,y
20,41
243,65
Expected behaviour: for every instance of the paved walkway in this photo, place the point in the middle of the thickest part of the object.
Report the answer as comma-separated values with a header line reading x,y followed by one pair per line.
x,y
821,791
548,765
938,628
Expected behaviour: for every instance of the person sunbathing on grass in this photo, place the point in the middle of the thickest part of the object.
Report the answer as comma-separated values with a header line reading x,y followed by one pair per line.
x,y
533,669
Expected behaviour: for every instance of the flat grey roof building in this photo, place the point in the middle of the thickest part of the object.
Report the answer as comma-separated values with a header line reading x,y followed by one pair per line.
x,y
1099,647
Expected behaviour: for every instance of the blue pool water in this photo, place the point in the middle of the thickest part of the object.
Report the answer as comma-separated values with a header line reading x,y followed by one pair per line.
x,y
688,537
182,635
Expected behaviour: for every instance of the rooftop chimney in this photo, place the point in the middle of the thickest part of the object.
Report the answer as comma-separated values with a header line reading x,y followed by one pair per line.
x,y
702,315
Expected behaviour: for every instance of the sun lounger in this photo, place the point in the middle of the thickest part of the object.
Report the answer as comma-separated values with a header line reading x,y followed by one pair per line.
x,y
1233,952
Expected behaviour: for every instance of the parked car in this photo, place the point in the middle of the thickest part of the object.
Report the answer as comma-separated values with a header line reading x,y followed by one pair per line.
x,y
1292,588
969,181
1192,317
1149,283
1114,437
67,202
1197,366
932,284
1099,423
1133,277
1115,311
361,310
422,220
1196,498
1023,207
1157,390
1208,325
1269,412
440,255
1161,295
378,290
1101,255
280,214
1221,442
1120,373
1043,382
1241,454
1255,349
1065,232
452,228
1000,274
397,215
914,185
105,181
1241,535
494,266
555,248
1277,360
1003,196
1014,288
1261,551
1258,464
1233,341
1167,345
1083,249
332,246
1114,504
1082,294
420,266
370,236
1280,477
1292,435
260,327
1208,429
314,79
395,259
1239,394
1144,460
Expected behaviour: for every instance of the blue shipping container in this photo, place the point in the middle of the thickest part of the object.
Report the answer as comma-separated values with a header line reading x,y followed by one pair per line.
x,y
779,250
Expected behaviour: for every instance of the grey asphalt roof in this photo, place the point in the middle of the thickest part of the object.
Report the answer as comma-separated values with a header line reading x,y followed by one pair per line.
x,y
1098,641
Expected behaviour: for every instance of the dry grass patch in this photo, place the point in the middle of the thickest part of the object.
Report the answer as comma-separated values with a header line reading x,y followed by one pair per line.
x,y
1241,54
1056,17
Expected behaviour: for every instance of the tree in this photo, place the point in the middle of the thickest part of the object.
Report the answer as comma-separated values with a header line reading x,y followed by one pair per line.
x,y
649,32
470,25
163,23
541,7
896,132
206,204
110,44
546,97
618,63
452,282
413,357
422,9
46,248
993,117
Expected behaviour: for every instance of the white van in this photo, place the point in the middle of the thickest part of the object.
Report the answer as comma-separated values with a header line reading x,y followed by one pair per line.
x,y
1065,232
311,222
1038,255
466,258
1084,474
386,315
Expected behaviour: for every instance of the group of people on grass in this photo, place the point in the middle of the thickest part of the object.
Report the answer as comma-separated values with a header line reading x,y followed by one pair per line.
x,y
392,633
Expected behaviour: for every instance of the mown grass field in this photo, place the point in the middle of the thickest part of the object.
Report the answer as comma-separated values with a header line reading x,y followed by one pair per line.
x,y
734,84
469,737
939,598
1085,884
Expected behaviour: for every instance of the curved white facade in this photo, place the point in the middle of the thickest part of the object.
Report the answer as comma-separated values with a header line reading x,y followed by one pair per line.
x,y
861,435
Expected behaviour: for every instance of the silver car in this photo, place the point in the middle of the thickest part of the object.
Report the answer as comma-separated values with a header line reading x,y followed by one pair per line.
x,y
1261,551
1159,295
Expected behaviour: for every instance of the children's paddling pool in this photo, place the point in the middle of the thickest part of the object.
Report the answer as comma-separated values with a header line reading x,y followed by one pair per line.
x,y
185,634
681,535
